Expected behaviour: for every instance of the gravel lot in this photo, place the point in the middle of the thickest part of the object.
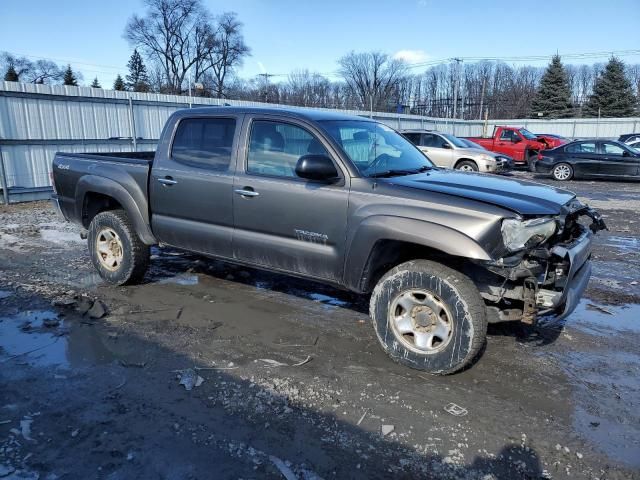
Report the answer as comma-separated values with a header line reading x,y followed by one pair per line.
x,y
292,382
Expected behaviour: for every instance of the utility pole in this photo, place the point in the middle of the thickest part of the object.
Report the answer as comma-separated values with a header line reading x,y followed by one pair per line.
x,y
266,77
484,84
456,85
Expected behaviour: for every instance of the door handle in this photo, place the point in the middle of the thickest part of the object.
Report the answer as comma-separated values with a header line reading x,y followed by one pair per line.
x,y
246,192
167,181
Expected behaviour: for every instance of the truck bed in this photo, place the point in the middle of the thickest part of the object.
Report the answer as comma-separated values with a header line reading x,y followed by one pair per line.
x,y
123,157
124,175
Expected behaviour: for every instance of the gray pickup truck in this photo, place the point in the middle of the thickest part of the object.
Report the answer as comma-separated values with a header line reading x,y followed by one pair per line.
x,y
343,200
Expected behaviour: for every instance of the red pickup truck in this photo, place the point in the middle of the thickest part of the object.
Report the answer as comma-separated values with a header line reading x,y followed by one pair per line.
x,y
519,143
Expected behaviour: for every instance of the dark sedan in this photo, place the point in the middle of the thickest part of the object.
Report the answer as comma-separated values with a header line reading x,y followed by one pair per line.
x,y
590,159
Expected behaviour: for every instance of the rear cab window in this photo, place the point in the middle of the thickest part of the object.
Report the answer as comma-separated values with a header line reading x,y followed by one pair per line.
x,y
204,142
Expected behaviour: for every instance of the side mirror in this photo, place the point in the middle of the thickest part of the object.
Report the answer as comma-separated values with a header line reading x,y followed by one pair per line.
x,y
516,139
446,145
625,153
316,167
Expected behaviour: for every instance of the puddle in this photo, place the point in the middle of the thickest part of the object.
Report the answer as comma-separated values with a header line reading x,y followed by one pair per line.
x,y
607,385
48,347
591,320
327,300
26,335
624,244
181,279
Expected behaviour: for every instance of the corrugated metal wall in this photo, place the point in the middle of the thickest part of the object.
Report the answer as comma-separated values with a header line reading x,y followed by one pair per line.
x,y
38,120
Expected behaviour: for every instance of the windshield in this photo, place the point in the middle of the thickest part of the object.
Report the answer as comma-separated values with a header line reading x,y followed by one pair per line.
x,y
527,134
375,149
455,140
471,144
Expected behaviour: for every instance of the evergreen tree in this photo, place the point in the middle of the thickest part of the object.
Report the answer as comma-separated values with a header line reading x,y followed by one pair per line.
x,y
11,75
612,93
69,77
553,97
95,83
119,84
137,80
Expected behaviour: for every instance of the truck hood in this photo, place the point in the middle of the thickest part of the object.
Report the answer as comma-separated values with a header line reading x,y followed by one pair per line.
x,y
522,197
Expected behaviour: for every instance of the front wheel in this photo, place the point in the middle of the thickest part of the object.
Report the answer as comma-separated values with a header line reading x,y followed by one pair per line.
x,y
562,172
429,317
467,166
116,250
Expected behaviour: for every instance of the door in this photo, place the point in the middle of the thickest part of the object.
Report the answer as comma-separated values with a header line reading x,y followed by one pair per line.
x,y
617,160
191,186
507,143
437,149
584,158
281,220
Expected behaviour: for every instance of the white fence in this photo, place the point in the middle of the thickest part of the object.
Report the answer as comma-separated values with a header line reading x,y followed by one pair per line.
x,y
38,120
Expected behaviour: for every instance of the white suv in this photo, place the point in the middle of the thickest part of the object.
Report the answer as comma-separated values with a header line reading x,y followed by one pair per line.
x,y
448,151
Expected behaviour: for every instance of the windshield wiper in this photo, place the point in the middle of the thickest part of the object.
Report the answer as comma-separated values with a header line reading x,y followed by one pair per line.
x,y
398,172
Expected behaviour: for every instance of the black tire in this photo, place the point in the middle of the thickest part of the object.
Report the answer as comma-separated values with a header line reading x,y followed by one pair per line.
x,y
466,309
135,254
467,165
531,162
559,172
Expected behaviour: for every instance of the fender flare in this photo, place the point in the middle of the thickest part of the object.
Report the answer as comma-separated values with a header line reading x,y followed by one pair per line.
x,y
111,188
386,227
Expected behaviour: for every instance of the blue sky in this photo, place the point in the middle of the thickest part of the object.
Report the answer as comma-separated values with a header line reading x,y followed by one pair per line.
x,y
295,34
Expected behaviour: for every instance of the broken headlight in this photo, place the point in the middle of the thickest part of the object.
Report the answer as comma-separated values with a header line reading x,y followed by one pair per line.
x,y
518,234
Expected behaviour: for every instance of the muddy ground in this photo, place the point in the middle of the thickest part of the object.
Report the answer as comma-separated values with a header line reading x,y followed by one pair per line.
x,y
294,384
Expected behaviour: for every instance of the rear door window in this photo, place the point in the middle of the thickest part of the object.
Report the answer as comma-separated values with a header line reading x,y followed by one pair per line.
x,y
583,147
431,140
204,142
413,138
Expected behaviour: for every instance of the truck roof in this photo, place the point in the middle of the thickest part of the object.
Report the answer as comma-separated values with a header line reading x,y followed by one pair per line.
x,y
303,113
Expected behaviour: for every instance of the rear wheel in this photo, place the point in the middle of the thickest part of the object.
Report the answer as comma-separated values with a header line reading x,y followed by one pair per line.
x,y
429,317
562,172
467,166
116,250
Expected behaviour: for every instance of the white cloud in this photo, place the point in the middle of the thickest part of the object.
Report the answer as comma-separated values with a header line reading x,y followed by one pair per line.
x,y
411,56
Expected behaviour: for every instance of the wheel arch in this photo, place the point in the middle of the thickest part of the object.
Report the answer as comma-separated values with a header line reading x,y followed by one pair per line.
x,y
382,242
464,159
95,194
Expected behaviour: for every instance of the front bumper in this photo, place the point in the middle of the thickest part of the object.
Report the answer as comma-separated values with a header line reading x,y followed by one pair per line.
x,y
500,166
578,257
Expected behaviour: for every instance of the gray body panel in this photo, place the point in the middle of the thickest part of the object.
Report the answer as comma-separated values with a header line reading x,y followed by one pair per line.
x,y
324,231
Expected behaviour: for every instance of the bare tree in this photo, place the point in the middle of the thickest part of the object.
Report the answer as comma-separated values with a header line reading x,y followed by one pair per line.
x,y
21,65
307,89
228,52
177,35
372,76
45,71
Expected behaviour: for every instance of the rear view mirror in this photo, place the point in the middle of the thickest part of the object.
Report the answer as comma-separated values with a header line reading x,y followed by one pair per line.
x,y
445,145
316,167
516,139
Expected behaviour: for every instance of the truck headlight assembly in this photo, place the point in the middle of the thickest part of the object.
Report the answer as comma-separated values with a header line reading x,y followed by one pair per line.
x,y
518,234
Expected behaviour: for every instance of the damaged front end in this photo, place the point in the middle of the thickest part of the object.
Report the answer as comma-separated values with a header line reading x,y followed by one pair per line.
x,y
549,270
